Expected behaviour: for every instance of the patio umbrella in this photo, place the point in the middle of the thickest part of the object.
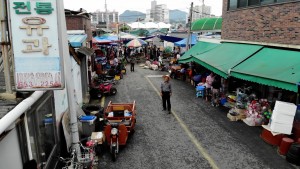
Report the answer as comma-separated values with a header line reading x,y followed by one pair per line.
x,y
136,43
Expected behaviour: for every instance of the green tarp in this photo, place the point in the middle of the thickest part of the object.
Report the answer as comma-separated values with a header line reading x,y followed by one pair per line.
x,y
198,48
226,56
272,67
207,24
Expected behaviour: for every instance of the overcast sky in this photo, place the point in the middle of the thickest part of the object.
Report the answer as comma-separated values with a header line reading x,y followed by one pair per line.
x,y
139,5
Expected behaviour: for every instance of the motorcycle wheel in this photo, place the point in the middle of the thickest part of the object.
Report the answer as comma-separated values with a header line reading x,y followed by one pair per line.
x,y
113,153
95,94
113,91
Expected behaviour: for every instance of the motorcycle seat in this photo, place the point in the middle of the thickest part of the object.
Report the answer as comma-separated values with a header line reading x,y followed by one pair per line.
x,y
107,76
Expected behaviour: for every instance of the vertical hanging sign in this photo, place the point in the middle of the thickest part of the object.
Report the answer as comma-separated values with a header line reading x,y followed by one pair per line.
x,y
37,57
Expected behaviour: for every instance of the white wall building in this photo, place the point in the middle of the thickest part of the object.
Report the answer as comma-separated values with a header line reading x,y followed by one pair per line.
x,y
99,16
158,13
201,11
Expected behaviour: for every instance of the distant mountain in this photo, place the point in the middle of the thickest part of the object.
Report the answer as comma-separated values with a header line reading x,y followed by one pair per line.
x,y
131,16
177,16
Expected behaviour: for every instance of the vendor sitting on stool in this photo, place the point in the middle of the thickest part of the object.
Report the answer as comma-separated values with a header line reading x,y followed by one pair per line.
x,y
196,79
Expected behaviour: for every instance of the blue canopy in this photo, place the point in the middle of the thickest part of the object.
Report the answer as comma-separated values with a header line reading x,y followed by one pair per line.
x,y
76,40
182,43
107,38
169,38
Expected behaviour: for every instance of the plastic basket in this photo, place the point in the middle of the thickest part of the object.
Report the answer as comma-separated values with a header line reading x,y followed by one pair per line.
x,y
87,157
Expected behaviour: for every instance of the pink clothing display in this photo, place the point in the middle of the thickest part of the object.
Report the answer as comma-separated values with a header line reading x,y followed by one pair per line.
x,y
209,80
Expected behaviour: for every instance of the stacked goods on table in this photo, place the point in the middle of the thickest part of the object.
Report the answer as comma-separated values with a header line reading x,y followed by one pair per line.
x,y
283,117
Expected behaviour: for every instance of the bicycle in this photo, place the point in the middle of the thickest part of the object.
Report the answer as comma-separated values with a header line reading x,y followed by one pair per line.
x,y
86,160
70,163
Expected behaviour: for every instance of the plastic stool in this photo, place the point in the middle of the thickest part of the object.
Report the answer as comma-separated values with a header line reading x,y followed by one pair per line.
x,y
285,145
200,90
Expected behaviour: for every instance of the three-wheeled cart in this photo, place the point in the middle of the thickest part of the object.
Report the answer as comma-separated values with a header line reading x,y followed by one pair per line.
x,y
119,119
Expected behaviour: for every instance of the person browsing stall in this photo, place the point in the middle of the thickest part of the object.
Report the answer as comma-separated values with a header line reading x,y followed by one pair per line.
x,y
208,83
166,92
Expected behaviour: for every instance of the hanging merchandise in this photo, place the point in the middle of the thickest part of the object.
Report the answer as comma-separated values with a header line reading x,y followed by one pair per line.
x,y
255,111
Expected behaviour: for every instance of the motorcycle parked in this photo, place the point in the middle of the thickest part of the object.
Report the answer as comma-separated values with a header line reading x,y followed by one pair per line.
x,y
101,89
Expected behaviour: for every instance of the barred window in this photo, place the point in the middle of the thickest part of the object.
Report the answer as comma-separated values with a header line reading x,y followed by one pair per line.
x,y
234,4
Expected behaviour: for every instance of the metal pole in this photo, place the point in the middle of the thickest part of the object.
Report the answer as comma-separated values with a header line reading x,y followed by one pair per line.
x,y
4,45
64,51
189,27
106,16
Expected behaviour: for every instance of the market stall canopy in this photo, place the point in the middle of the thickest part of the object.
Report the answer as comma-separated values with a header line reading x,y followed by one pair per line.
x,y
162,25
111,37
151,25
182,43
140,32
149,37
137,25
226,56
207,24
169,38
127,36
76,40
136,43
272,67
101,40
199,48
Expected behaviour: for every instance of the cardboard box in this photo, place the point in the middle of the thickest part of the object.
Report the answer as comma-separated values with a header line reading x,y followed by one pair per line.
x,y
285,108
240,111
279,117
281,128
99,137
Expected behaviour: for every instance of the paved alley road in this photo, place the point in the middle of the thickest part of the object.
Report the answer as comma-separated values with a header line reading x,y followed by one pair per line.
x,y
194,136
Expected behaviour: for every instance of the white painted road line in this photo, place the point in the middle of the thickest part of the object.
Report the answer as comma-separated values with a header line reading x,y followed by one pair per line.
x,y
198,145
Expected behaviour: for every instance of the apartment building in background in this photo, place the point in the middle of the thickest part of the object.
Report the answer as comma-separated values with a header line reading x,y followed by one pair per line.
x,y
158,13
201,11
99,17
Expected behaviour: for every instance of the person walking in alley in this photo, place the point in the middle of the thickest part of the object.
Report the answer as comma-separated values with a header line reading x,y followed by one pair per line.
x,y
166,92
132,62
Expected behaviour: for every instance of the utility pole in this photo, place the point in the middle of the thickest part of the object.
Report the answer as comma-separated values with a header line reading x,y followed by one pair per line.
x,y
4,44
106,16
202,9
62,29
190,19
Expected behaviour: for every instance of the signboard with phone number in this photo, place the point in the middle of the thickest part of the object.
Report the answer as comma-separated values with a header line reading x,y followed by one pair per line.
x,y
38,64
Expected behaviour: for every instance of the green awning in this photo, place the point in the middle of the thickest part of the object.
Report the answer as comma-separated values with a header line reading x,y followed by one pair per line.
x,y
226,56
190,59
198,48
207,24
272,67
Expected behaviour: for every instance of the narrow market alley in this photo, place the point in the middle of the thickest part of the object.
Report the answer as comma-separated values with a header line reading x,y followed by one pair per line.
x,y
195,135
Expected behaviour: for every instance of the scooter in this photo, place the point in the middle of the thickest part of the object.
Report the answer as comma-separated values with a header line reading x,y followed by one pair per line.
x,y
114,140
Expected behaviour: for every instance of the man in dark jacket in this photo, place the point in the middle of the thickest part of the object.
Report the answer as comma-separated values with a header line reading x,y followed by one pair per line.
x,y
132,62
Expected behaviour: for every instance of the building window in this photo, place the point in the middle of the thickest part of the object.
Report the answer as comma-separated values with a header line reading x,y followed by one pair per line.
x,y
42,132
242,3
234,4
253,2
263,2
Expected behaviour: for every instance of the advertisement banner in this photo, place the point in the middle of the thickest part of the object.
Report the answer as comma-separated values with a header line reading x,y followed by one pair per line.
x,y
37,57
